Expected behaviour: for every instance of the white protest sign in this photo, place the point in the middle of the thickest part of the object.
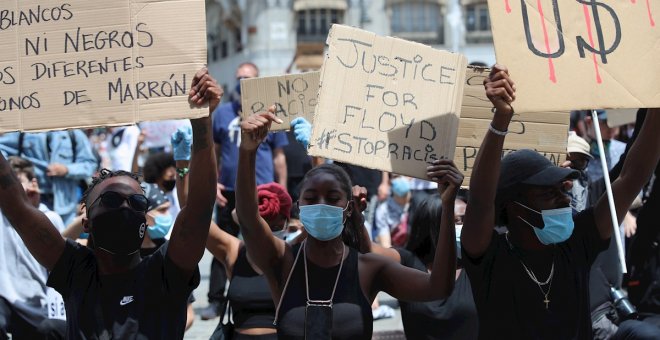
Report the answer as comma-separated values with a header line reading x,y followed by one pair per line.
x,y
386,103
545,132
294,95
79,63
584,54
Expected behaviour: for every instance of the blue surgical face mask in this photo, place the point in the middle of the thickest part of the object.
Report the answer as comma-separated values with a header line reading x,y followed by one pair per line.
x,y
322,222
557,224
162,226
281,234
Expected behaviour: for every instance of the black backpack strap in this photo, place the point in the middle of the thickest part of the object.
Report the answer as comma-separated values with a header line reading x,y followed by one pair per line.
x,y
74,145
21,137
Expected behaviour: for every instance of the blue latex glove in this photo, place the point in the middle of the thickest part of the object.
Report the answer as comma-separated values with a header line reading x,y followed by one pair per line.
x,y
302,130
182,143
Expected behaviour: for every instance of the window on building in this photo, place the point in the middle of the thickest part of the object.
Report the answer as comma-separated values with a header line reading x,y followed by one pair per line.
x,y
420,21
477,23
314,24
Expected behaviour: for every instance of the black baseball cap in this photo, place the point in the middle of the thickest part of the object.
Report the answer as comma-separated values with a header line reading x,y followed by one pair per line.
x,y
530,167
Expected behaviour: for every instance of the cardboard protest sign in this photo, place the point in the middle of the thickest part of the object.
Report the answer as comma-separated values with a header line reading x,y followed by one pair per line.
x,y
294,95
545,132
88,63
584,54
621,117
387,103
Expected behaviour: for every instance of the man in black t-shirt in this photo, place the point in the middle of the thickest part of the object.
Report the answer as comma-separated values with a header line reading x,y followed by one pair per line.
x,y
532,282
110,292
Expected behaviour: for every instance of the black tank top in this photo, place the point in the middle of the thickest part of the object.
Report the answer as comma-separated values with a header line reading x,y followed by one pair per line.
x,y
249,296
452,318
352,318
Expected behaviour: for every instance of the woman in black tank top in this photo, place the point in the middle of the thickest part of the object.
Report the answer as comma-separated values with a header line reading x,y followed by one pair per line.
x,y
324,288
249,298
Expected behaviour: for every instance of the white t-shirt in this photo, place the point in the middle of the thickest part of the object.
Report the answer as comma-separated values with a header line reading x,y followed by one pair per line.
x,y
121,147
174,209
23,279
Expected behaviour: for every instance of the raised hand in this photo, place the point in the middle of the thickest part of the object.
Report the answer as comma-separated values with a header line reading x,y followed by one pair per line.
x,y
254,129
205,89
182,143
501,90
449,178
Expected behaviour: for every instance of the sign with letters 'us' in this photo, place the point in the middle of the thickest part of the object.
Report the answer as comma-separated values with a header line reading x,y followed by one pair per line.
x,y
387,103
579,54
80,63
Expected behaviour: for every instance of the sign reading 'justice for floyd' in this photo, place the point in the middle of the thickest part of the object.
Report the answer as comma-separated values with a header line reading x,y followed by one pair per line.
x,y
387,103
579,54
80,63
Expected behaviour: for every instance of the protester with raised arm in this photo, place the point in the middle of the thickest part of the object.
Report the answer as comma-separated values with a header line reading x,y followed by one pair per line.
x,y
322,288
110,292
532,281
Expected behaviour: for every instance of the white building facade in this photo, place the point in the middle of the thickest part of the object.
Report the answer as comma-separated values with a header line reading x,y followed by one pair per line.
x,y
288,36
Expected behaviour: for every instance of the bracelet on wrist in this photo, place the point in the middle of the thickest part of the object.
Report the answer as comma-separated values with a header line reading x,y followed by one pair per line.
x,y
496,131
182,172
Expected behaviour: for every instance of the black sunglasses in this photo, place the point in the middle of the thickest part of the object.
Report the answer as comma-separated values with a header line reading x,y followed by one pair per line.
x,y
113,200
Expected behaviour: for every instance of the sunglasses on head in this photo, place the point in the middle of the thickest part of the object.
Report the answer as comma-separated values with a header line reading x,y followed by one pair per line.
x,y
113,200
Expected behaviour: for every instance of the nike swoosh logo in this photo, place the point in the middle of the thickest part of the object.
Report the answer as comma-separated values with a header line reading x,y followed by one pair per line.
x,y
126,300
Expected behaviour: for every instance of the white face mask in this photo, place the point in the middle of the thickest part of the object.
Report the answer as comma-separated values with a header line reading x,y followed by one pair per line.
x,y
459,228
289,237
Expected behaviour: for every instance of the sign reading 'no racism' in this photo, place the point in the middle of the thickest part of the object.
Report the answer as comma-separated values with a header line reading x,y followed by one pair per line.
x,y
79,63
579,54
387,103
294,95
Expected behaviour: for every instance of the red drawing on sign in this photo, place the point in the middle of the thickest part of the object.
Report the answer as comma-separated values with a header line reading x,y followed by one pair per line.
x,y
508,7
587,18
551,65
648,9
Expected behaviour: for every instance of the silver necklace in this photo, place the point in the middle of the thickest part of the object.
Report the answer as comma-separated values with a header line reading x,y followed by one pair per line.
x,y
288,279
327,303
532,276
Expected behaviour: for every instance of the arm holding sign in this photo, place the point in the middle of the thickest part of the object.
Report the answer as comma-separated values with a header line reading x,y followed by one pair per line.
x,y
265,249
480,212
637,169
192,224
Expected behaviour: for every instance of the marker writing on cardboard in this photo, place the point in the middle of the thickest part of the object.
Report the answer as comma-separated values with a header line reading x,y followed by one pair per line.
x,y
395,67
147,89
30,16
582,46
348,143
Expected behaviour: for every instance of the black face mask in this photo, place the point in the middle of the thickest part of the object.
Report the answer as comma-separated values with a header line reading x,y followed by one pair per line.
x,y
169,185
119,231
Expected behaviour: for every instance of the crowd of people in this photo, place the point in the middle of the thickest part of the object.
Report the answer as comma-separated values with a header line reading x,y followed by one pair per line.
x,y
102,231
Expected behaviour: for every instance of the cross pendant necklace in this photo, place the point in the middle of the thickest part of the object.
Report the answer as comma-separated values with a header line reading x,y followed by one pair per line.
x,y
546,301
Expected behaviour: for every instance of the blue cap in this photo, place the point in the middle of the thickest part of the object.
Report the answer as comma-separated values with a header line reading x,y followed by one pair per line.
x,y
400,186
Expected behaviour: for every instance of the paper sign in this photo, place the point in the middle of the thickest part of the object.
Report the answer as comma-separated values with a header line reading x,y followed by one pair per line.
x,y
294,95
80,63
545,132
386,103
584,54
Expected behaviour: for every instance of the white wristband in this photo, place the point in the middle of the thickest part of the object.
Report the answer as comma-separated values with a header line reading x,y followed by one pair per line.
x,y
496,131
